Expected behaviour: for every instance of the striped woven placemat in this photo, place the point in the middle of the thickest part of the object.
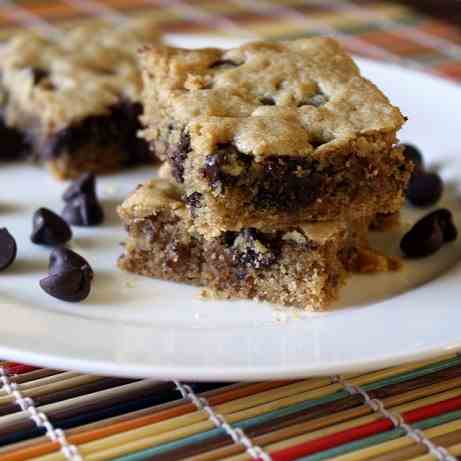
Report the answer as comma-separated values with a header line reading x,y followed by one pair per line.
x,y
402,413
411,412
386,30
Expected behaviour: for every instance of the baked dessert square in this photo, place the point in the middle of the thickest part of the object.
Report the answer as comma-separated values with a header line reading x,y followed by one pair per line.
x,y
74,103
301,265
272,133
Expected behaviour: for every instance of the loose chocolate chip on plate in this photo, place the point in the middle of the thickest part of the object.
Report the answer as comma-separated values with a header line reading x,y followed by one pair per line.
x,y
413,154
49,228
82,206
84,185
63,259
424,189
69,277
83,211
429,234
72,286
8,249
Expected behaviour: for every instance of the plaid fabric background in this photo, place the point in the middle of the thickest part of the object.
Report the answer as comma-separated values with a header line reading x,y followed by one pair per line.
x,y
386,30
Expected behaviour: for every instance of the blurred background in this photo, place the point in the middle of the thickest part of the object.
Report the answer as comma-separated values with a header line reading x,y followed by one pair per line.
x,y
424,34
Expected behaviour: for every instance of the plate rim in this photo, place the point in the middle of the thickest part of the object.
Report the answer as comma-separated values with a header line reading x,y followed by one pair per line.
x,y
202,373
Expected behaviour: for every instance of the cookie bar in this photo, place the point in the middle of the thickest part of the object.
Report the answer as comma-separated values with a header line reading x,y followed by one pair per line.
x,y
302,265
74,104
273,133
259,171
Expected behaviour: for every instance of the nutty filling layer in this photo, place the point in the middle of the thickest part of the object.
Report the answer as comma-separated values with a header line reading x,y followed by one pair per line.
x,y
285,182
164,231
118,128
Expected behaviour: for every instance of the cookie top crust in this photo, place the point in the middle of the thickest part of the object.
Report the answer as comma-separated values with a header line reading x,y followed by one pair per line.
x,y
91,68
313,80
150,198
256,136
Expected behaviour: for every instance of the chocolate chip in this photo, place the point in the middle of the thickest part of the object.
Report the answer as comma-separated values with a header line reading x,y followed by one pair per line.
x,y
429,234
287,183
72,286
39,74
267,101
63,259
48,228
82,206
228,238
225,166
83,211
224,63
178,155
413,154
194,200
69,277
116,128
212,170
251,248
8,249
84,185
424,189
14,143
316,100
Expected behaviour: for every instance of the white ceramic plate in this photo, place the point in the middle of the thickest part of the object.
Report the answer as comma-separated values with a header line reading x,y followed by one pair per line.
x,y
140,327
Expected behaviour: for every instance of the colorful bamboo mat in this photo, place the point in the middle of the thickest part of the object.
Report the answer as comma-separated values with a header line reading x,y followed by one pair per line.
x,y
411,412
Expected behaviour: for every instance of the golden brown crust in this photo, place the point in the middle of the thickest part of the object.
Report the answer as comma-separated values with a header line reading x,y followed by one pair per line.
x,y
84,74
310,80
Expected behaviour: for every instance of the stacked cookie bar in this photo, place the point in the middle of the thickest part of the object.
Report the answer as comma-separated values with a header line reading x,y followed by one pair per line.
x,y
277,157
74,103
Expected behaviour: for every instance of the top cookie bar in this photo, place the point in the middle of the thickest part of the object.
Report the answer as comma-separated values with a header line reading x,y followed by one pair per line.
x,y
314,77
272,133
74,102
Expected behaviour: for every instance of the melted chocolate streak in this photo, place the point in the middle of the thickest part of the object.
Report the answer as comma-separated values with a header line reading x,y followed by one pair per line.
x,y
119,127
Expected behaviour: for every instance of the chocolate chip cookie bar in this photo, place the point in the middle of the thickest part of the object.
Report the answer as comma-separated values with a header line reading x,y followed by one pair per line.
x,y
74,103
302,265
272,133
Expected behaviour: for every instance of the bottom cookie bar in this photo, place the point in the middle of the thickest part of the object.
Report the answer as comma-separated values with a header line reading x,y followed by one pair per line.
x,y
303,265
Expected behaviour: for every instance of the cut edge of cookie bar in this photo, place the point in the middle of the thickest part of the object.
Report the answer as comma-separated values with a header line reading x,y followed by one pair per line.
x,y
303,265
67,107
159,243
255,171
313,75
